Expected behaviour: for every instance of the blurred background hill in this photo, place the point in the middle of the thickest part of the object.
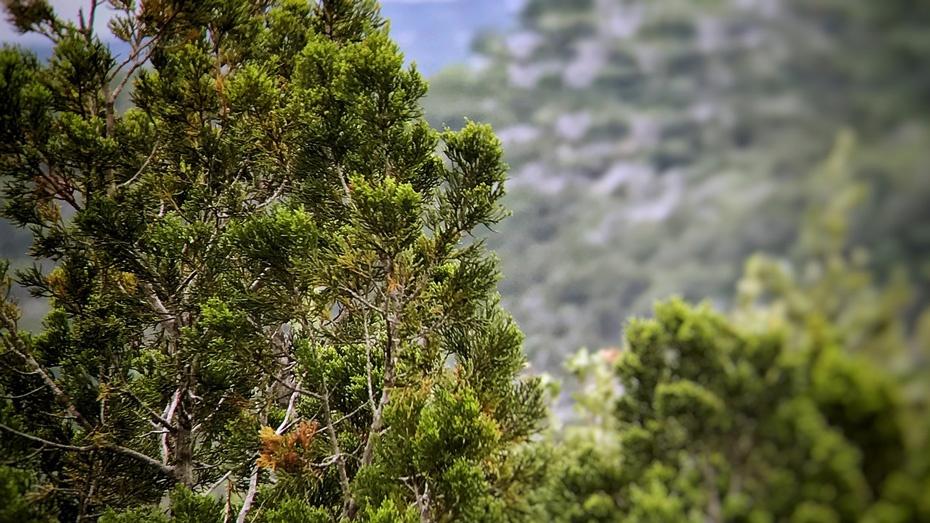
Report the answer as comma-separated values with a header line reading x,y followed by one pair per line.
x,y
655,145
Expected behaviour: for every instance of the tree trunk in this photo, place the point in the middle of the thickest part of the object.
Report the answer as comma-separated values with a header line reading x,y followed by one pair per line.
x,y
184,445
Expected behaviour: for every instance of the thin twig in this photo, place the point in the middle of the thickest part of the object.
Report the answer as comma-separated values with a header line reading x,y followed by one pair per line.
x,y
87,448
21,396
217,483
153,416
142,167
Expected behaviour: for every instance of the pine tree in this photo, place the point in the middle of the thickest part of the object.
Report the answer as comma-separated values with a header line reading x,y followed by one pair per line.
x,y
264,282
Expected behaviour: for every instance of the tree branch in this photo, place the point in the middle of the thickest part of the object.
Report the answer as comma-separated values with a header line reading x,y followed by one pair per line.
x,y
118,449
152,415
169,416
337,451
15,344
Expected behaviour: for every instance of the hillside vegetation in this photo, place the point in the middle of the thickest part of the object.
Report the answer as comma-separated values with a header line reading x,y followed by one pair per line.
x,y
655,145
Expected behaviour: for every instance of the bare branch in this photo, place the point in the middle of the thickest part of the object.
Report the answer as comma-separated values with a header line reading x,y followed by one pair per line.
x,y
368,366
218,482
134,62
288,386
87,448
289,412
349,415
274,196
190,277
337,451
165,469
145,164
390,345
250,496
364,301
46,442
21,396
169,416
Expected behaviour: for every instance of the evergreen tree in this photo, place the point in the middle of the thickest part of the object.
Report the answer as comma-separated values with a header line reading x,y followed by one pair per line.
x,y
264,285
828,280
817,330
829,289
717,423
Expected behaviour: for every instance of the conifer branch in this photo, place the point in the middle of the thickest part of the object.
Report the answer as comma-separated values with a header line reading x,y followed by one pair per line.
x,y
24,395
377,418
145,163
15,344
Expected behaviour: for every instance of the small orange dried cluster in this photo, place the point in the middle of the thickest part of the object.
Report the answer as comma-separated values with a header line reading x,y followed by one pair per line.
x,y
286,451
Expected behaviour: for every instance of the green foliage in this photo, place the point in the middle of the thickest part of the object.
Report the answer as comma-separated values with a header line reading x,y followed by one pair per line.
x,y
271,299
797,408
269,256
137,515
22,500
739,424
188,507
387,512
185,507
295,510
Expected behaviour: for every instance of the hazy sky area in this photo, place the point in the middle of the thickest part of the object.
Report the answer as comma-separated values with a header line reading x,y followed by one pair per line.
x,y
66,9
432,33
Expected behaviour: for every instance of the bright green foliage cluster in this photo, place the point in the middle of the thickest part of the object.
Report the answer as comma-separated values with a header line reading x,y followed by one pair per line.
x,y
265,287
830,294
723,424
